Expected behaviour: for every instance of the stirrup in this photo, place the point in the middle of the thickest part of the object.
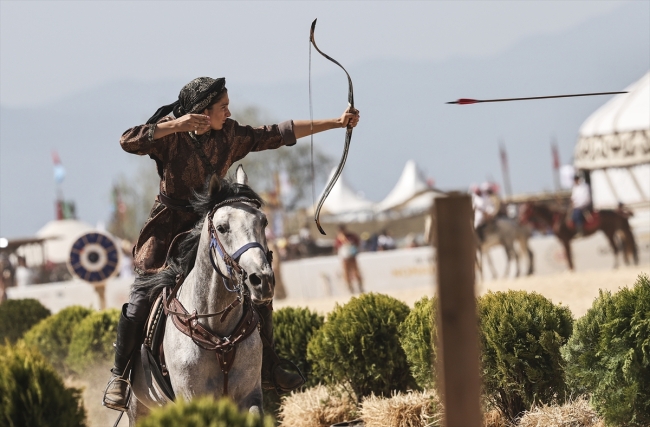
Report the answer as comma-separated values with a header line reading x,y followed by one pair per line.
x,y
127,397
279,363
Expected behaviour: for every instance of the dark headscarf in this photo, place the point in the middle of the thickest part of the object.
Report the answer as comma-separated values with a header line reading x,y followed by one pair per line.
x,y
195,97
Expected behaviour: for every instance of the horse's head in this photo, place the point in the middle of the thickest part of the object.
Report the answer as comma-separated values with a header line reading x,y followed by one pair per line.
x,y
240,251
526,213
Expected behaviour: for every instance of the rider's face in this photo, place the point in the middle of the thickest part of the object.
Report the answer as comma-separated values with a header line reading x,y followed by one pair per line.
x,y
219,112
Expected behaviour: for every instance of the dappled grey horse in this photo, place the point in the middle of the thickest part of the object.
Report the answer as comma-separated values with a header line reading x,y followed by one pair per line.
x,y
208,349
513,236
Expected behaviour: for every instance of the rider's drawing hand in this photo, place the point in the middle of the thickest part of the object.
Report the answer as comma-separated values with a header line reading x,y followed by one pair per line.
x,y
198,123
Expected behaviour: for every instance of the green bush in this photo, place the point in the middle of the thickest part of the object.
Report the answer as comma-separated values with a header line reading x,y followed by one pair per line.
x,y
418,336
359,344
203,412
17,316
521,336
92,340
32,393
608,355
293,328
52,335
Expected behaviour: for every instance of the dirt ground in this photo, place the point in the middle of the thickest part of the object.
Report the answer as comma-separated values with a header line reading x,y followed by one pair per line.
x,y
576,290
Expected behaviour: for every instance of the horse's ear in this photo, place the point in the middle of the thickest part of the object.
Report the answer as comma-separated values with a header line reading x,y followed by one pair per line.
x,y
215,185
241,176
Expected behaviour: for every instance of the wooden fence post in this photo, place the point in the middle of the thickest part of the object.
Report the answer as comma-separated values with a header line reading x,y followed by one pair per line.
x,y
458,345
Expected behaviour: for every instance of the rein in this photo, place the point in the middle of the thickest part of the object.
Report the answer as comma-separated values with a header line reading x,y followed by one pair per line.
x,y
188,323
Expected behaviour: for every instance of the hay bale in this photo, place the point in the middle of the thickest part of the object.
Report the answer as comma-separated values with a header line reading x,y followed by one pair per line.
x,y
320,406
412,409
575,413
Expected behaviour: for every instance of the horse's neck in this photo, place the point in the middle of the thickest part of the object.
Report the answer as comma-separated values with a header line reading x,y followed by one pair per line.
x,y
204,291
547,215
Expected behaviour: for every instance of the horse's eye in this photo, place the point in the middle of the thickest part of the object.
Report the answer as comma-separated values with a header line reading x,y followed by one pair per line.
x,y
221,229
265,222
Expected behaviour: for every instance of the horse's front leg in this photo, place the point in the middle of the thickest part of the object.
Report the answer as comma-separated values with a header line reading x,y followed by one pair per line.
x,y
137,411
567,251
253,402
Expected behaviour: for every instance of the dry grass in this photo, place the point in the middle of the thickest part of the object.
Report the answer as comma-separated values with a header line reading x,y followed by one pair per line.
x,y
494,418
319,406
576,413
412,409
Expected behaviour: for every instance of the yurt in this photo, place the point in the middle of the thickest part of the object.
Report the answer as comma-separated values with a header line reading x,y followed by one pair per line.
x,y
613,151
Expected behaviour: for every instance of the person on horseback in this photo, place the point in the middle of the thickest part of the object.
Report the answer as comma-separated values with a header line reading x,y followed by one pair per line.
x,y
484,209
200,140
580,203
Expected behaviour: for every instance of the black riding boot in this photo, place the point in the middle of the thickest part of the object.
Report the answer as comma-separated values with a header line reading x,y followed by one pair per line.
x,y
273,376
129,334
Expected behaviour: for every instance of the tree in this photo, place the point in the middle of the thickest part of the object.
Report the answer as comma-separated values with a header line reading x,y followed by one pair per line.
x,y
289,164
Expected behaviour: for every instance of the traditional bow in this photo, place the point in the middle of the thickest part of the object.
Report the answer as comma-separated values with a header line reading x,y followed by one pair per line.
x,y
348,133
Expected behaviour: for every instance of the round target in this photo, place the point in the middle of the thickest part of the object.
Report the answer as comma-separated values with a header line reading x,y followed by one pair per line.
x,y
93,257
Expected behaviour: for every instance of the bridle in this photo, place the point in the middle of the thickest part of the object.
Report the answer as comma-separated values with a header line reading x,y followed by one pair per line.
x,y
232,261
188,323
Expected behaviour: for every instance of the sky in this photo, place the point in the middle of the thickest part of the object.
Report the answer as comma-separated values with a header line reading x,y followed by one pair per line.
x,y
49,50
75,75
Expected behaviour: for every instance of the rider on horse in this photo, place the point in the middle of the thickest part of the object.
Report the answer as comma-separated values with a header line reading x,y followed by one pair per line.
x,y
581,204
200,141
484,208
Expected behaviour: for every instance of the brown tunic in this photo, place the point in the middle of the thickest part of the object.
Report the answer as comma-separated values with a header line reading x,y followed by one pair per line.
x,y
182,170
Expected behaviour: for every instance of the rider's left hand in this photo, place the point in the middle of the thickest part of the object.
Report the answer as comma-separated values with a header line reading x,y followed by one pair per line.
x,y
350,118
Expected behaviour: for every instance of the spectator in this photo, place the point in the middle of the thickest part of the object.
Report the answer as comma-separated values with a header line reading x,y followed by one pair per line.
x,y
385,241
24,276
347,246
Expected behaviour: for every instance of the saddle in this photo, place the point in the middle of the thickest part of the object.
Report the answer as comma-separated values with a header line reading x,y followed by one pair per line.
x,y
592,221
152,354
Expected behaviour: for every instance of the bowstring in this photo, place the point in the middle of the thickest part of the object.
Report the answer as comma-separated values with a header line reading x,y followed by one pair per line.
x,y
311,143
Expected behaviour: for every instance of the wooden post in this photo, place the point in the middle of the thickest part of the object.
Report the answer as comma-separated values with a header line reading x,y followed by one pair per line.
x,y
100,288
458,345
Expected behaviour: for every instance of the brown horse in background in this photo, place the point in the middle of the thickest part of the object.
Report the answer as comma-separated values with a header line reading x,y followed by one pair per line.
x,y
611,222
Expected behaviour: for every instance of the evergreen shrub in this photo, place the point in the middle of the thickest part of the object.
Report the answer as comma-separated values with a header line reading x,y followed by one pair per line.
x,y
608,355
359,345
521,336
203,412
33,394
292,330
92,340
418,336
52,335
17,316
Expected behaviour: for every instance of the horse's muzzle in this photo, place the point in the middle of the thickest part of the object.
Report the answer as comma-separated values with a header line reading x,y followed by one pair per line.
x,y
262,286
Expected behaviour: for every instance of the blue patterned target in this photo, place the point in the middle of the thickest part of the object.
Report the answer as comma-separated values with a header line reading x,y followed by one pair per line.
x,y
93,257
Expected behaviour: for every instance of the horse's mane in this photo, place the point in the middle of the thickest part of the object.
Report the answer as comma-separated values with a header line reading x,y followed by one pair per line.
x,y
185,255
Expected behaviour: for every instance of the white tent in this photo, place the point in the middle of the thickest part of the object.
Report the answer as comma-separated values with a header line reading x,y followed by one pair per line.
x,y
614,146
410,184
345,200
63,234
411,195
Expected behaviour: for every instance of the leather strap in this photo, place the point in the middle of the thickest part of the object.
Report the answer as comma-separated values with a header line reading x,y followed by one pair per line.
x,y
175,204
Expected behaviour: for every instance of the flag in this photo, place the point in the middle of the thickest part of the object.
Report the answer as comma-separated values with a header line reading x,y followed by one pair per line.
x,y
59,170
556,156
504,157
